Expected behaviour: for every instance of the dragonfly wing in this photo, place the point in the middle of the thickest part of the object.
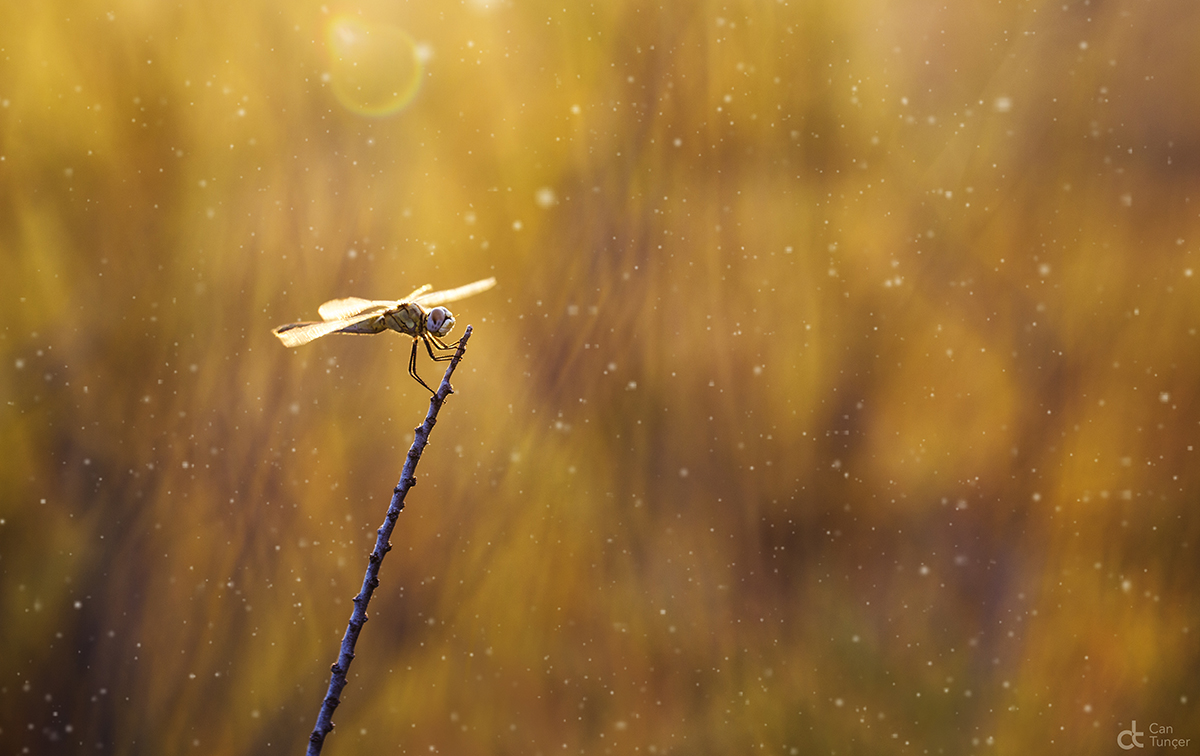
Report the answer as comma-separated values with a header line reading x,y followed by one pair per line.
x,y
297,334
340,309
416,293
453,295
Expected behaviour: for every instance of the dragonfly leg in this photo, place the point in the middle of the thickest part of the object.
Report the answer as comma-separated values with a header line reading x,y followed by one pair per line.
x,y
436,342
412,368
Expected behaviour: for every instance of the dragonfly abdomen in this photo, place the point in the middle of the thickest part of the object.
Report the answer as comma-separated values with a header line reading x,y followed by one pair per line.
x,y
370,325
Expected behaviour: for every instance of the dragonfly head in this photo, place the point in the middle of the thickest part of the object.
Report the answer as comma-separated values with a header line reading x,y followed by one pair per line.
x,y
439,321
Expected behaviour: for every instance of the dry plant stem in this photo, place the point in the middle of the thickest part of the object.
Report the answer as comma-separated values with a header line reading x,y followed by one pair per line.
x,y
382,546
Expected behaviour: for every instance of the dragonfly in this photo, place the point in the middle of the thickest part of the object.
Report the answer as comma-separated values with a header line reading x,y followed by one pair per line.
x,y
419,315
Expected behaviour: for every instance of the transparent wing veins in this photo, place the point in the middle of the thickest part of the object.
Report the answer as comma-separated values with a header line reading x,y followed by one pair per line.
x,y
453,295
340,309
416,293
298,334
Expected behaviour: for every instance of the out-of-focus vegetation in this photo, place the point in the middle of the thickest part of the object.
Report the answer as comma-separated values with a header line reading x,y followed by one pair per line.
x,y
838,394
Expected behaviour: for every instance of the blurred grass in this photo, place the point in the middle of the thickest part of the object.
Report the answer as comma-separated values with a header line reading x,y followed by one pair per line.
x,y
838,395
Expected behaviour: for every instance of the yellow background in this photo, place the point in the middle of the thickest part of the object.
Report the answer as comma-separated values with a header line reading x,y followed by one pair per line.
x,y
838,394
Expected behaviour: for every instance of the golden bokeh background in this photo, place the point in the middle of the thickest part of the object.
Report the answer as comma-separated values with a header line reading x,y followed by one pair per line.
x,y
838,394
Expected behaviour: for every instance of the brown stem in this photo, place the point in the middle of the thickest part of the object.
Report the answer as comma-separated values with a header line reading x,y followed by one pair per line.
x,y
382,546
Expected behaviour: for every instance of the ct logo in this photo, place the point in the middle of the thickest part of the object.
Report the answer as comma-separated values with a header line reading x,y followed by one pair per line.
x,y
1133,734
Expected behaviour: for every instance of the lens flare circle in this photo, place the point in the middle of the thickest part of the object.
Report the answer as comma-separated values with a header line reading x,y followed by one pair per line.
x,y
374,69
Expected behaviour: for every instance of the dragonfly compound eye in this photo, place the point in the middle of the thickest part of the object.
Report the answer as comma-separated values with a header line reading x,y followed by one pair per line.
x,y
439,321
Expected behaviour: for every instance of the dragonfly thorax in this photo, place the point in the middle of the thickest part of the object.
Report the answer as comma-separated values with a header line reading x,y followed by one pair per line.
x,y
411,319
408,319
